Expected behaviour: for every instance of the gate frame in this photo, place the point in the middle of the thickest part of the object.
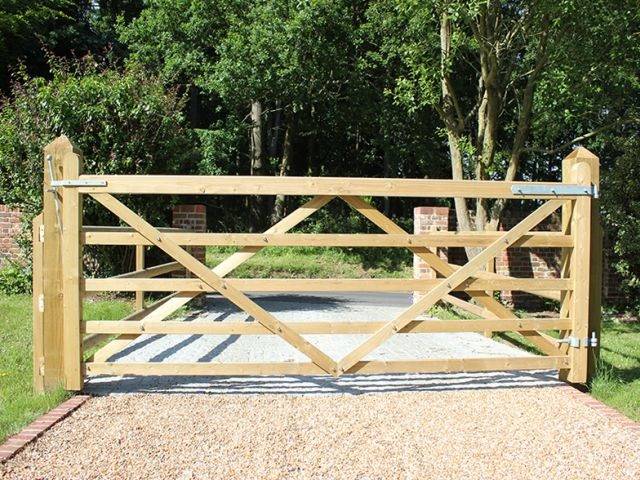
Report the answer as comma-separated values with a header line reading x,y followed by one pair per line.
x,y
59,286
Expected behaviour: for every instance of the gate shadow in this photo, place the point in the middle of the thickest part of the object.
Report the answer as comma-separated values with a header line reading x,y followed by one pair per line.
x,y
321,385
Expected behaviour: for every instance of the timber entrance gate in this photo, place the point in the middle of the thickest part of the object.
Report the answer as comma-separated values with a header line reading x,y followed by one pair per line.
x,y
62,336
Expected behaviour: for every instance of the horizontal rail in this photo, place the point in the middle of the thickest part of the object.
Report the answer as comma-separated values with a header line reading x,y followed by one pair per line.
x,y
437,239
319,284
306,328
449,365
154,271
271,185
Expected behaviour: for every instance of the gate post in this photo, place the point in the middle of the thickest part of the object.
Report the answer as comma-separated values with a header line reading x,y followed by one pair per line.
x,y
584,264
72,267
49,361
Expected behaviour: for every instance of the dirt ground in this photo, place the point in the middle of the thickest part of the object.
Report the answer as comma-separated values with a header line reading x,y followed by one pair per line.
x,y
522,433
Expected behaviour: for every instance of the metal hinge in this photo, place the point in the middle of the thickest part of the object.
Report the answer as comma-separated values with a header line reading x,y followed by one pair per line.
x,y
555,190
78,183
576,342
41,303
41,233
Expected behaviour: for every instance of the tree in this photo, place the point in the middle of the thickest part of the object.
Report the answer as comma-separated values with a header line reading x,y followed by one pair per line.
x,y
510,81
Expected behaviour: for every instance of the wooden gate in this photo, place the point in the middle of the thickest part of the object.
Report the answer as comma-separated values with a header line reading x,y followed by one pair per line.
x,y
61,334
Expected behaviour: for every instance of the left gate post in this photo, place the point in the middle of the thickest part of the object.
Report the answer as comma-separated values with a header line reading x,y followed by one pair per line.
x,y
72,268
51,359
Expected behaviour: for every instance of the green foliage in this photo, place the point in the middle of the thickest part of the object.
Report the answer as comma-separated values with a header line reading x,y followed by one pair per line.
x,y
14,278
124,122
621,216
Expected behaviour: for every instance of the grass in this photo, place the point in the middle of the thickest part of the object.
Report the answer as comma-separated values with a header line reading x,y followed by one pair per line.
x,y
19,405
298,262
617,381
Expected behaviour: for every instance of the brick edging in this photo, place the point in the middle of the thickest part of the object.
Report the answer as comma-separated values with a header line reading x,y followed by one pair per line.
x,y
613,415
36,428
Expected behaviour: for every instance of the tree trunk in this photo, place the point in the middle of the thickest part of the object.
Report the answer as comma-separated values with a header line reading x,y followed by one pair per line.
x,y
256,204
287,155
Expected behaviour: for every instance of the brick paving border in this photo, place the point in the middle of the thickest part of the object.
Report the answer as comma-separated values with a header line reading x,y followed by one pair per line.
x,y
613,415
36,428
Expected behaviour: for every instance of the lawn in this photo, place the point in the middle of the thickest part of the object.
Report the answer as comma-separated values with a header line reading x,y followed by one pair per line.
x,y
293,262
19,405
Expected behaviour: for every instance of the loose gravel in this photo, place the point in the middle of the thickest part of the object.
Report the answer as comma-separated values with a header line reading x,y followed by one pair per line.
x,y
523,433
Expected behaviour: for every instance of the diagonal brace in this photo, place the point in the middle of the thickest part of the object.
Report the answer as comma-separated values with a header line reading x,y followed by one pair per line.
x,y
447,285
214,281
444,268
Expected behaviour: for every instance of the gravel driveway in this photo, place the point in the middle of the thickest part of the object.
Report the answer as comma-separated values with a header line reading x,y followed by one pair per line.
x,y
500,433
263,348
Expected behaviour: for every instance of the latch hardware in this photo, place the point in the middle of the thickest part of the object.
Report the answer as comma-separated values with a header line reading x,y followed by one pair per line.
x,y
576,342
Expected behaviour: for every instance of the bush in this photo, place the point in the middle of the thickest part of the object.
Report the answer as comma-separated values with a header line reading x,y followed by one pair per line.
x,y
124,121
621,217
14,279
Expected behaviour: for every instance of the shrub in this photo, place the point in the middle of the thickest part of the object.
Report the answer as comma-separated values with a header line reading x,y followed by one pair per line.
x,y
621,217
14,278
124,121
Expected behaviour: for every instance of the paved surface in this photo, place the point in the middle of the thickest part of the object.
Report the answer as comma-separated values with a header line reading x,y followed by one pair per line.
x,y
504,433
264,348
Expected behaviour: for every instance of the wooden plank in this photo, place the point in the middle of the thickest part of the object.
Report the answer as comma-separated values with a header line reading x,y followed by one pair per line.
x,y
139,302
445,269
38,313
446,285
440,239
52,267
450,365
270,185
151,272
216,282
580,308
178,300
72,270
114,284
320,327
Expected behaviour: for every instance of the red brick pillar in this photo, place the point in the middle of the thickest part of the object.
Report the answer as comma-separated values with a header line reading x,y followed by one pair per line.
x,y
428,219
191,217
9,231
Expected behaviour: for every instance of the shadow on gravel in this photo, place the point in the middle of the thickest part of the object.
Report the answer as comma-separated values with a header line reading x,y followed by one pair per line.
x,y
319,385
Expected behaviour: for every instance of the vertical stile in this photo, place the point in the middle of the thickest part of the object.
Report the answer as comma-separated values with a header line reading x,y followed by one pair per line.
x,y
38,304
72,269
139,304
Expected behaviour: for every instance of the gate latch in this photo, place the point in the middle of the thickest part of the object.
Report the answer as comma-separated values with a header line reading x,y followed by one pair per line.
x,y
576,342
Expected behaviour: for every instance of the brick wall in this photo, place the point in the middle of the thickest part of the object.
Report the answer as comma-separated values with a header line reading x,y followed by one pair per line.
x,y
9,230
191,217
515,262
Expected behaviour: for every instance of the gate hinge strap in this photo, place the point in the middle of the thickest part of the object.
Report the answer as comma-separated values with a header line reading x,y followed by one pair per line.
x,y
555,190
78,183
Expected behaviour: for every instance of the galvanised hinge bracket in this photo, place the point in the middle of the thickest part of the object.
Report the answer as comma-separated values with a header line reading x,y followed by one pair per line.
x,y
576,342
561,189
78,183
